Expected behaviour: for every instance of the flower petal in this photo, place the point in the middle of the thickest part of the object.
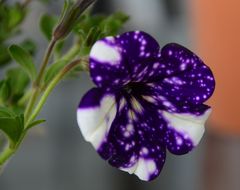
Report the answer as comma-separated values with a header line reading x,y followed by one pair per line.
x,y
141,51
184,131
185,77
95,114
114,61
107,63
136,140
152,95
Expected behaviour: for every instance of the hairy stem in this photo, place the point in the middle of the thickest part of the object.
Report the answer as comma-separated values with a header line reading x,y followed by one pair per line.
x,y
36,86
45,61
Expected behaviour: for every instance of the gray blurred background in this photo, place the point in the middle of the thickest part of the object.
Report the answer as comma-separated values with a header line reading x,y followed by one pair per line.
x,y
55,156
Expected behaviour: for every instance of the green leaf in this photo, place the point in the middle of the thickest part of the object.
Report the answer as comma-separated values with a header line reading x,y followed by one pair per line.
x,y
29,46
4,91
47,24
114,23
4,56
16,15
24,59
18,80
12,127
53,70
35,123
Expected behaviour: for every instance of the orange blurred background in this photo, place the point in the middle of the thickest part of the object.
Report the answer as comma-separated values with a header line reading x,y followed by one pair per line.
x,y
217,26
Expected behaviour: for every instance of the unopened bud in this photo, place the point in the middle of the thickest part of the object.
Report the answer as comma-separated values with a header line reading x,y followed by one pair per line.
x,y
70,18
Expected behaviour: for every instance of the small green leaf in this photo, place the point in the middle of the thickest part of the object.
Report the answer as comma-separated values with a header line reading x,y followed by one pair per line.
x,y
16,15
4,91
113,23
4,56
47,24
35,123
53,70
12,127
24,59
29,46
18,80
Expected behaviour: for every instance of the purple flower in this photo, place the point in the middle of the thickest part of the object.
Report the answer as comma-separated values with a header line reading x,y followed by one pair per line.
x,y
147,100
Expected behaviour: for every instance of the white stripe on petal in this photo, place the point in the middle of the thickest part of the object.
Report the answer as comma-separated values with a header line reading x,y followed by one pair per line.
x,y
105,53
189,125
95,122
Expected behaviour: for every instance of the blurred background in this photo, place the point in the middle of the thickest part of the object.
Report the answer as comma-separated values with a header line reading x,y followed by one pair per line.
x,y
55,156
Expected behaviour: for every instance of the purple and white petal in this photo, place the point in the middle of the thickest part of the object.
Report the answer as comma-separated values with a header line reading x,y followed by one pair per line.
x,y
185,77
115,61
135,140
153,96
108,66
138,45
95,114
184,130
141,51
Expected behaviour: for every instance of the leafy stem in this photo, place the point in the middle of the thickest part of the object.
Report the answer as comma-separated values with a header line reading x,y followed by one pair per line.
x,y
15,96
36,86
50,87
10,150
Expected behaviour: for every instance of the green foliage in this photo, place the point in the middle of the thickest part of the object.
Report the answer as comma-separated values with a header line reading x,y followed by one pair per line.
x,y
6,112
13,88
11,16
91,28
112,24
11,124
24,59
4,56
29,46
14,91
47,24
4,90
18,81
35,123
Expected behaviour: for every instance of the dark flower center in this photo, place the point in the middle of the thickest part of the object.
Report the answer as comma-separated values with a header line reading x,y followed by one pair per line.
x,y
134,88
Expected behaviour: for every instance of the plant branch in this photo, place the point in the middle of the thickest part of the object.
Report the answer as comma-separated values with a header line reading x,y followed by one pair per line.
x,y
5,154
50,87
36,86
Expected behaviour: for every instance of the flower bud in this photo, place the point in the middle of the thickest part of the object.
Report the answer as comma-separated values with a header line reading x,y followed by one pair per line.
x,y
70,18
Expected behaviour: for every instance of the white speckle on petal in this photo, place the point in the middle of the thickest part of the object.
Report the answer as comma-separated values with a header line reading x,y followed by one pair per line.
x,y
98,78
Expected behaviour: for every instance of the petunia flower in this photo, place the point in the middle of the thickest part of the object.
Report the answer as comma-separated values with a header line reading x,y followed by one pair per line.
x,y
147,100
